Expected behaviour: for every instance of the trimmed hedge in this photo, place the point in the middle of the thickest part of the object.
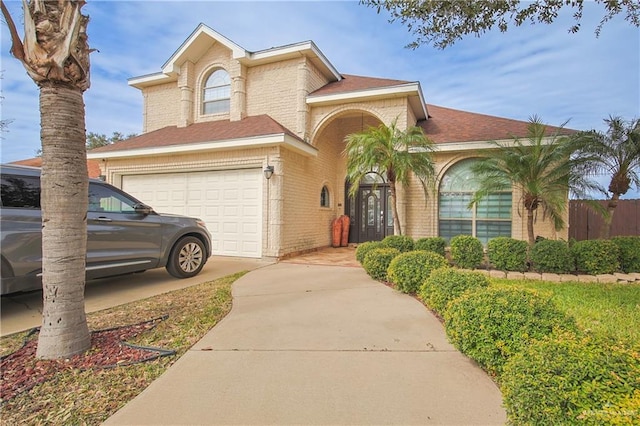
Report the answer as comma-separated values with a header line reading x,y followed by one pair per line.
x,y
409,270
366,247
568,379
403,243
494,324
508,254
446,284
552,256
434,244
466,251
377,261
629,248
595,257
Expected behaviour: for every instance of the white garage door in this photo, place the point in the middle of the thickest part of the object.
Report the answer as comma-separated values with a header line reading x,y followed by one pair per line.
x,y
229,201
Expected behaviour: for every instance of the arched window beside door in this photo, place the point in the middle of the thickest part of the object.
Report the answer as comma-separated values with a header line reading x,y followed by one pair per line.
x,y
488,219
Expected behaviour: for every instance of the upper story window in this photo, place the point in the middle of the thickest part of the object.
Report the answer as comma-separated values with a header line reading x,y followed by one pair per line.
x,y
217,93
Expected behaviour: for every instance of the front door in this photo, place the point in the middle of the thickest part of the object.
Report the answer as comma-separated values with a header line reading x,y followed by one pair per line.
x,y
370,214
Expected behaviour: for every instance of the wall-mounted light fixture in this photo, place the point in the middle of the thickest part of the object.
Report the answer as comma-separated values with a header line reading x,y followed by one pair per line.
x,y
268,172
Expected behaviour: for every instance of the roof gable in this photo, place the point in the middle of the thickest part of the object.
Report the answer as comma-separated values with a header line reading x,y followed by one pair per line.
x,y
203,37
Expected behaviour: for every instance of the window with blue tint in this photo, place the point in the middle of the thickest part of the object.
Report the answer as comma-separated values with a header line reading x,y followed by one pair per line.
x,y
217,93
487,219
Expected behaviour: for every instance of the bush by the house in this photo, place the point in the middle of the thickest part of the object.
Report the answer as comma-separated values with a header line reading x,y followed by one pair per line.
x,y
404,243
466,251
446,284
409,270
377,261
629,248
595,257
494,324
552,256
366,247
507,254
568,379
434,244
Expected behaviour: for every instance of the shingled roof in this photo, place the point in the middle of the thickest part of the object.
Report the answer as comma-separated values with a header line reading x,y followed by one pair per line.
x,y
93,167
210,131
353,83
451,125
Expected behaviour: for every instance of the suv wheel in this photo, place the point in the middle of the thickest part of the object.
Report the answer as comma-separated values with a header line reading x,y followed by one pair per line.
x,y
187,258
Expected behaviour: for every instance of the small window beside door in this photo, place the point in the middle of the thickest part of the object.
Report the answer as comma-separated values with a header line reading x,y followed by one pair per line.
x,y
324,197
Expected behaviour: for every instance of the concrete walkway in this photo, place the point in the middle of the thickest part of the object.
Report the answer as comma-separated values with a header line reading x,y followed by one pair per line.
x,y
312,344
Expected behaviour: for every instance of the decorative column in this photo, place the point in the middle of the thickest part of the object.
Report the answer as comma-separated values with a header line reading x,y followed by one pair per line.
x,y
275,209
238,91
185,84
302,109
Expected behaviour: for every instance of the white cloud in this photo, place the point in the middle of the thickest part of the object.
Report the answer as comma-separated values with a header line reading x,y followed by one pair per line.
x,y
538,69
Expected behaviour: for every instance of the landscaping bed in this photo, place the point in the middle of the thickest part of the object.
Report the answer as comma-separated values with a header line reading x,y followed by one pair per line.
x,y
81,390
561,352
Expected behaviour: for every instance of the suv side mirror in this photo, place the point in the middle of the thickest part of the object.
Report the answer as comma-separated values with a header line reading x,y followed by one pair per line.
x,y
143,209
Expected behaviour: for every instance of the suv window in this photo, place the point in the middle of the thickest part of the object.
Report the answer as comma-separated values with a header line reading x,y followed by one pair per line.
x,y
104,199
20,191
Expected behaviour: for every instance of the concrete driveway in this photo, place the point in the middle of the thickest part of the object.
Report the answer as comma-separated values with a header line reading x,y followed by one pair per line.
x,y
22,311
310,344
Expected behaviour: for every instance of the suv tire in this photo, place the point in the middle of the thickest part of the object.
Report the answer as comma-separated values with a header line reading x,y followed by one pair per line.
x,y
187,258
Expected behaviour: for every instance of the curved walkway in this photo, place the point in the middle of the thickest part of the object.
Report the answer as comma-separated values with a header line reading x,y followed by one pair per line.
x,y
315,344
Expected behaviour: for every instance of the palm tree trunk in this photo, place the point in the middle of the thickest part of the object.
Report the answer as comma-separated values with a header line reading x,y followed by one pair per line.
x,y
530,234
64,198
605,231
394,208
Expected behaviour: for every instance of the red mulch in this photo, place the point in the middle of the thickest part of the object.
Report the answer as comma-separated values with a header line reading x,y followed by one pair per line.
x,y
21,370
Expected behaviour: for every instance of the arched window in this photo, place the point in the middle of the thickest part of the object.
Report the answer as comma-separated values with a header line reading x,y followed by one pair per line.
x,y
324,197
488,219
217,93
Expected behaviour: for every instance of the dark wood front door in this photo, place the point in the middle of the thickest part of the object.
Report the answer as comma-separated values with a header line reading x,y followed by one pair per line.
x,y
370,214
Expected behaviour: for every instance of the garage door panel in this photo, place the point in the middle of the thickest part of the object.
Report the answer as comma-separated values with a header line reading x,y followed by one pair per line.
x,y
228,201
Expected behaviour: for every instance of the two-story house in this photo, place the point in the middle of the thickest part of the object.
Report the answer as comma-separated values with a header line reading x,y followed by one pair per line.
x,y
252,142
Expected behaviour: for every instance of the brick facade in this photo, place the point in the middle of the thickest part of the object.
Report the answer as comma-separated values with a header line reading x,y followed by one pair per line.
x,y
281,85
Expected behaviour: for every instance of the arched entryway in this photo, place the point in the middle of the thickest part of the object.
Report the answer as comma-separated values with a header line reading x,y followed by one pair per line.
x,y
369,210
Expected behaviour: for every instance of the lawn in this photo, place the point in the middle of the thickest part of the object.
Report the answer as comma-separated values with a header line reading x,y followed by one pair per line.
x,y
89,397
611,310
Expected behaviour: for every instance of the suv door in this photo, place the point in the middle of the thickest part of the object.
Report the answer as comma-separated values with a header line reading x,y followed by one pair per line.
x,y
120,239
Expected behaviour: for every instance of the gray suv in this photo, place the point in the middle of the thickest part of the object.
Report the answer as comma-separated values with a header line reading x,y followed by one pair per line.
x,y
123,234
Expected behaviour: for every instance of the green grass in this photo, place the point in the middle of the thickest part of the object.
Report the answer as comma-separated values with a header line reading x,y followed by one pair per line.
x,y
609,310
77,397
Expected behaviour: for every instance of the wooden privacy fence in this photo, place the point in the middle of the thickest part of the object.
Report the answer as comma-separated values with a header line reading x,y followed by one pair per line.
x,y
585,224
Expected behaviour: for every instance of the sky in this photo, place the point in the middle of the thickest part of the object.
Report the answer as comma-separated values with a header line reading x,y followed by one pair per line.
x,y
540,69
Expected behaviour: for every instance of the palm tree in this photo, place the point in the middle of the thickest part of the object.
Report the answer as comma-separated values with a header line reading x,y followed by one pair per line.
x,y
615,153
395,153
540,167
55,54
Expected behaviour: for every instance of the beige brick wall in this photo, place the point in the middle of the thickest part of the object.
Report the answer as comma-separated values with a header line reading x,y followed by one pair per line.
x,y
161,107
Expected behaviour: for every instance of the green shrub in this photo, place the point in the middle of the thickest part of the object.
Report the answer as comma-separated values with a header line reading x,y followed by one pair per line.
x,y
494,324
568,379
508,254
595,257
403,243
409,270
629,248
466,251
366,247
377,261
552,256
446,284
434,244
